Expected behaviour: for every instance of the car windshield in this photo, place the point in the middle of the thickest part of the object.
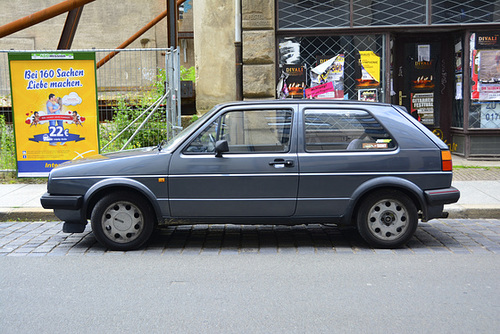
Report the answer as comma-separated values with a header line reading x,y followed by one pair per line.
x,y
169,145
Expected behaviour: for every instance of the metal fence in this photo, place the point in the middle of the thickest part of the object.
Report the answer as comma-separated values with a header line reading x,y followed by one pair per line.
x,y
140,85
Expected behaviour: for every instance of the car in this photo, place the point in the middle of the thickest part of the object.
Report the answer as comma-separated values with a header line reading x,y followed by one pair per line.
x,y
367,165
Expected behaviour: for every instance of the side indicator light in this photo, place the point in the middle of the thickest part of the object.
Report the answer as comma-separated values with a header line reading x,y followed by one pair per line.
x,y
161,180
446,163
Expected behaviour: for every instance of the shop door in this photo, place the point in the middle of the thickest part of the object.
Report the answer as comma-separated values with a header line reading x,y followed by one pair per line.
x,y
422,80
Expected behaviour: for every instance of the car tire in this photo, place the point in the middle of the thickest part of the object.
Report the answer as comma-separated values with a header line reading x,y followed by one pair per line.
x,y
122,221
387,219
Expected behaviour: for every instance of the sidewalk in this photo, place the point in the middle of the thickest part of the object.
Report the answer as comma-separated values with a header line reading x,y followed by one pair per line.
x,y
479,195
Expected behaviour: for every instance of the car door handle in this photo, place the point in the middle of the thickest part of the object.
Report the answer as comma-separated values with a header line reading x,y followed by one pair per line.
x,y
280,163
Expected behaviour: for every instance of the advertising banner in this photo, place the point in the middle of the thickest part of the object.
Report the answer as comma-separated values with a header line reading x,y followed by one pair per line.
x,y
487,40
54,101
320,89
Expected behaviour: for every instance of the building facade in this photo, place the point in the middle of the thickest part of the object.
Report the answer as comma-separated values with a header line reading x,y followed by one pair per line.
x,y
438,58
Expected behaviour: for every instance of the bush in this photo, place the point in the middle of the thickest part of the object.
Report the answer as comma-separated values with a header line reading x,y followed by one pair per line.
x,y
7,146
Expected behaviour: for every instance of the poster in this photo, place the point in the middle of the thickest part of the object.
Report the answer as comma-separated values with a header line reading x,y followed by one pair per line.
x,y
423,105
486,40
54,104
369,95
489,75
289,49
296,80
329,70
368,69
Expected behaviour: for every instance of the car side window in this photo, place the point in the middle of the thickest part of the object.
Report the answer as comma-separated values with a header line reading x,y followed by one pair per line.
x,y
247,131
344,130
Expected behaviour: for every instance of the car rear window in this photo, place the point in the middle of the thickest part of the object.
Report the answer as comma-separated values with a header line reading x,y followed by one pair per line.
x,y
344,130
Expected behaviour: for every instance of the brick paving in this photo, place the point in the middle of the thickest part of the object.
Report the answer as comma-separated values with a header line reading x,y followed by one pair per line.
x,y
476,174
453,236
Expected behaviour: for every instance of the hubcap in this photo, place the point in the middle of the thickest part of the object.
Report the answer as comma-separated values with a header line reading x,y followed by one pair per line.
x,y
388,219
122,222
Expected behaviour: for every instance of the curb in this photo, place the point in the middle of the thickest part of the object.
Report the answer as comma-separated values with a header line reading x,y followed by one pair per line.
x,y
477,211
27,214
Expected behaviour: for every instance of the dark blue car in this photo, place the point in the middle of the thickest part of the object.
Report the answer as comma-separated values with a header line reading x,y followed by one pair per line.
x,y
369,165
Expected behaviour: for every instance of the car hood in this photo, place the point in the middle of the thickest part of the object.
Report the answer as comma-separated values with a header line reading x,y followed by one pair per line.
x,y
116,164
112,155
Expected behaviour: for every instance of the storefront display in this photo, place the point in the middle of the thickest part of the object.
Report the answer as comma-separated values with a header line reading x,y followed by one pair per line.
x,y
485,75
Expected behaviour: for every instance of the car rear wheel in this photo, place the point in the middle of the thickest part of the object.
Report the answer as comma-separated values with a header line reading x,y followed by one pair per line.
x,y
387,219
122,221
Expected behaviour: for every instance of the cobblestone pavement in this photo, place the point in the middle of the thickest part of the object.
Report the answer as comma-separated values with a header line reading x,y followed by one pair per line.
x,y
455,236
476,174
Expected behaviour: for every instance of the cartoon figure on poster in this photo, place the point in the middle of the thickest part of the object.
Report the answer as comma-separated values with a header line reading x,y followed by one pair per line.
x,y
56,116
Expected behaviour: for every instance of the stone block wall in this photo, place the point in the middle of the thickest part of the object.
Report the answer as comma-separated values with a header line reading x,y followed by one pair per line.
x,y
258,49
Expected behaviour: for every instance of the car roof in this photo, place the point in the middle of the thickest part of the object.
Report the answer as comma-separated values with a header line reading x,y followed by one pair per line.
x,y
306,101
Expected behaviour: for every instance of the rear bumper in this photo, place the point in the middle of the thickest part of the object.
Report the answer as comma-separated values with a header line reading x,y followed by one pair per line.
x,y
436,199
442,196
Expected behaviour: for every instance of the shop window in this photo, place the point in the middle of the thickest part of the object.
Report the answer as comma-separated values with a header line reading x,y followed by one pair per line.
x,y
344,130
458,99
484,111
388,12
465,11
298,55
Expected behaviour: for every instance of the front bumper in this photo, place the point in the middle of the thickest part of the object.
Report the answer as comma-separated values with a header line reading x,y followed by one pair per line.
x,y
67,202
66,207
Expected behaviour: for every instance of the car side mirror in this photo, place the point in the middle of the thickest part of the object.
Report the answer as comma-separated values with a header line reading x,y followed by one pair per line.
x,y
221,146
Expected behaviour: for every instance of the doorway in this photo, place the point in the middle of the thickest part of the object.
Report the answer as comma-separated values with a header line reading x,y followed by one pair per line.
x,y
423,79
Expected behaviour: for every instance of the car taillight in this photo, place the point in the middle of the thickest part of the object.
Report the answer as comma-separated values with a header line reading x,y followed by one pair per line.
x,y
446,164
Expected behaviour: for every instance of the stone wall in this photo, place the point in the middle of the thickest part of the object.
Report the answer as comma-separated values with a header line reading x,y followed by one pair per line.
x,y
214,52
258,49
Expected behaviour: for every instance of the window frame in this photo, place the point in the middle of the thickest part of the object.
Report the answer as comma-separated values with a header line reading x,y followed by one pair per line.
x,y
219,118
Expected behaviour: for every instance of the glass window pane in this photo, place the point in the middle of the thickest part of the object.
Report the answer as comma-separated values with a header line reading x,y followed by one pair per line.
x,y
205,142
388,12
465,11
299,14
257,130
340,130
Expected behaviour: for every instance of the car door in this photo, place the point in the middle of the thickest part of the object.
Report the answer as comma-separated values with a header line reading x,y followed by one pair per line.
x,y
257,177
342,147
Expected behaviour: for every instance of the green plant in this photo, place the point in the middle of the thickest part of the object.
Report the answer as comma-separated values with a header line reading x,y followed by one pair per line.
x,y
188,74
129,109
193,119
7,146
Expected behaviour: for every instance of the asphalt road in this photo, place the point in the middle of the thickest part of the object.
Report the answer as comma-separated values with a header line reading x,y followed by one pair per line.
x,y
251,293
228,279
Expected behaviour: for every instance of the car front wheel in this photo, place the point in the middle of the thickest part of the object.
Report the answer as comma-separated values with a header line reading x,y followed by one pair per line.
x,y
122,221
387,219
